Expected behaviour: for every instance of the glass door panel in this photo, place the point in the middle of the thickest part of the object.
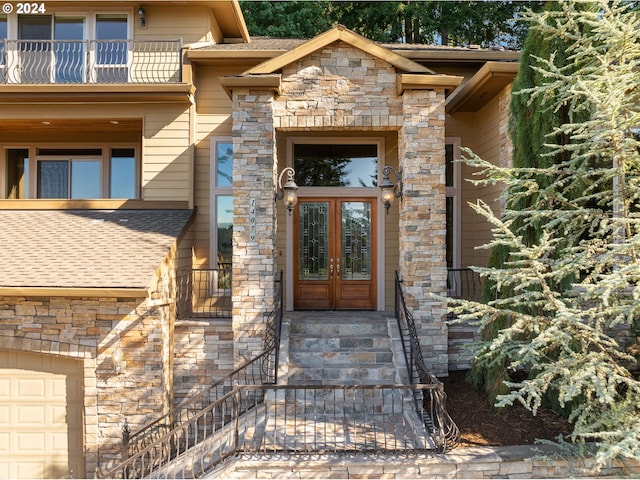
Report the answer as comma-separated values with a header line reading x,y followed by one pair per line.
x,y
69,49
35,31
314,241
356,238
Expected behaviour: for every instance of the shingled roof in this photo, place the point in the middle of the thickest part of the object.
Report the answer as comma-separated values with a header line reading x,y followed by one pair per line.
x,y
86,248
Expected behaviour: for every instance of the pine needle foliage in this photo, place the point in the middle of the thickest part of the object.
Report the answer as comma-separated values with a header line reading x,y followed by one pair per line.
x,y
569,290
531,122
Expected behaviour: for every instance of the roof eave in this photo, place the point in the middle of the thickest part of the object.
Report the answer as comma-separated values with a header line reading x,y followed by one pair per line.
x,y
106,292
491,78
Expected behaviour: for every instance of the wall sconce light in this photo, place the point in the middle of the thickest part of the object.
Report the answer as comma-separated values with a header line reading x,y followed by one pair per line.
x,y
288,190
141,17
390,189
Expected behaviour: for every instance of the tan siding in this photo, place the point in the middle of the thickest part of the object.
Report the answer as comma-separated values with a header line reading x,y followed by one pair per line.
x,y
392,229
481,133
193,24
167,154
166,150
213,108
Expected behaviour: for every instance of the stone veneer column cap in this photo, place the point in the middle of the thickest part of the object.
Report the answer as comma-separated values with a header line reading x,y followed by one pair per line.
x,y
263,82
412,81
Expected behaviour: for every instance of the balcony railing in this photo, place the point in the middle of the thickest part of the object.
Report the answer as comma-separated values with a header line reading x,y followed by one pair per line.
x,y
203,292
90,61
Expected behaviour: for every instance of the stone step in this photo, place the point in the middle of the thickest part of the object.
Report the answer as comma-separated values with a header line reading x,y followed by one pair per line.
x,y
314,344
340,348
346,358
313,329
361,374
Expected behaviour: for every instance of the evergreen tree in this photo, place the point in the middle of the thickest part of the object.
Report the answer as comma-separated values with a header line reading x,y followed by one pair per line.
x,y
533,125
431,22
567,291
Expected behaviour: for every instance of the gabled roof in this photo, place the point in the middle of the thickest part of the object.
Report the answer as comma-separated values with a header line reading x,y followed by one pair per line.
x,y
339,33
86,249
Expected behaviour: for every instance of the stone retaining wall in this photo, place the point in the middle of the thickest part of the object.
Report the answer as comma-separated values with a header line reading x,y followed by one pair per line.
x,y
203,353
477,462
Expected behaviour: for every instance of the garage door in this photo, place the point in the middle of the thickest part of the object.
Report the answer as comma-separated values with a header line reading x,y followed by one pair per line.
x,y
41,433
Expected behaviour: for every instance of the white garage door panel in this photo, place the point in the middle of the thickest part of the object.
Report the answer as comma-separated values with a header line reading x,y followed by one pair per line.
x,y
41,428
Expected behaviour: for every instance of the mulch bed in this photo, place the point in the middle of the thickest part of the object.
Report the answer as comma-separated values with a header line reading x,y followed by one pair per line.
x,y
482,425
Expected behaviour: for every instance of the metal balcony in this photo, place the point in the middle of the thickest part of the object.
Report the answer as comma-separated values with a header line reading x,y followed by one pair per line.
x,y
50,62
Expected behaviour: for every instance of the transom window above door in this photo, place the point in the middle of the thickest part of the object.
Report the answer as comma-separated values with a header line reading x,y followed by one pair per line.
x,y
335,165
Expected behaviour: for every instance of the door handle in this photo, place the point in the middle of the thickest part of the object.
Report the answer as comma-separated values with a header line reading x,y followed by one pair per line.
x,y
331,267
338,268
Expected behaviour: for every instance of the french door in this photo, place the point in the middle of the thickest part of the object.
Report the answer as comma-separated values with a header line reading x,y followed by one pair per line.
x,y
335,254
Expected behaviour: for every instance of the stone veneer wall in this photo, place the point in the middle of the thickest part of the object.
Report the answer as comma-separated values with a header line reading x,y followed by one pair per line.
x,y
339,89
254,221
120,341
203,351
422,220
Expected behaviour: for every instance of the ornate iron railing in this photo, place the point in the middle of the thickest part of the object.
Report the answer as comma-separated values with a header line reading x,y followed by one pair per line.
x,y
292,419
464,283
203,293
90,61
149,444
440,423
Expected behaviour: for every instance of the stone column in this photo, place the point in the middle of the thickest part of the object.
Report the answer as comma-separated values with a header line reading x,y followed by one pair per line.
x,y
421,145
254,223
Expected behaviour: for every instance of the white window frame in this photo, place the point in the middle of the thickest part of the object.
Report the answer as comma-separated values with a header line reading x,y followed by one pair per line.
x,y
215,191
90,34
455,192
92,54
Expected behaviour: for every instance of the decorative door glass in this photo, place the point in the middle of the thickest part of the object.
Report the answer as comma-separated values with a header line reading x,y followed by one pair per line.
x,y
356,235
314,241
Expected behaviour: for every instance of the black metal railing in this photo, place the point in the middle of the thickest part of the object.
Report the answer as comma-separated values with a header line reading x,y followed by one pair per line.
x,y
90,61
444,430
157,443
294,419
203,293
464,283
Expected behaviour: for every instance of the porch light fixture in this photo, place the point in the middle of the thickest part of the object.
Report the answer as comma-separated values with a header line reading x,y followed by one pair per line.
x,y
288,190
390,189
141,17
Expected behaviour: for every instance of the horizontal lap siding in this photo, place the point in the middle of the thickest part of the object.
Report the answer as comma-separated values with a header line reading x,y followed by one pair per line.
x,y
213,108
476,230
167,154
480,131
193,24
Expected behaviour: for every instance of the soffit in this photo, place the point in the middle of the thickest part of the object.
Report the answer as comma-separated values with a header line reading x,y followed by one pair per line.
x,y
76,249
482,87
46,127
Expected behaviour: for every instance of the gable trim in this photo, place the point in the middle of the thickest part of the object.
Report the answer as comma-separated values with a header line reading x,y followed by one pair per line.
x,y
339,33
